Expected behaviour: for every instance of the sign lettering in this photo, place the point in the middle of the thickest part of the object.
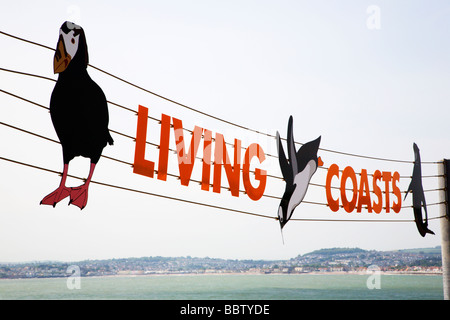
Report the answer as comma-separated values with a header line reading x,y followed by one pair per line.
x,y
186,157
361,192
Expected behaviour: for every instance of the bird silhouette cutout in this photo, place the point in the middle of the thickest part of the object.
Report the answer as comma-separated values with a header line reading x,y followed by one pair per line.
x,y
297,170
78,110
416,188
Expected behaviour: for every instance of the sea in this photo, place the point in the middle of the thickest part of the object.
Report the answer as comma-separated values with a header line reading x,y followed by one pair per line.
x,y
228,287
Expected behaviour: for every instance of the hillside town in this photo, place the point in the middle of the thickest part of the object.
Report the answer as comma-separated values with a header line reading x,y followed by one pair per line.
x,y
337,260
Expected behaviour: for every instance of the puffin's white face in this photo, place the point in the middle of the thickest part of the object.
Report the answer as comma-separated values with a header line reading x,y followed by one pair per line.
x,y
67,46
71,41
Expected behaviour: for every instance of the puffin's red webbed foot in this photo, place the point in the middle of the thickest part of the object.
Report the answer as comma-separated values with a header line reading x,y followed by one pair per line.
x,y
56,196
79,196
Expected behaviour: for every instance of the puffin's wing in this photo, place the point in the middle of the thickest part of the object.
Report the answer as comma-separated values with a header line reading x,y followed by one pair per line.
x,y
307,152
292,154
99,115
284,164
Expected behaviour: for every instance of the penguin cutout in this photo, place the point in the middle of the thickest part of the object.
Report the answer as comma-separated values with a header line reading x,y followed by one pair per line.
x,y
79,112
416,188
297,170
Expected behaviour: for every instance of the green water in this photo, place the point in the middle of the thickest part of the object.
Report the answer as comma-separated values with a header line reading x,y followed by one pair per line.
x,y
229,287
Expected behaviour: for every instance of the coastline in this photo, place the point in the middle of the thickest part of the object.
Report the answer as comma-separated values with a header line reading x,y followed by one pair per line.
x,y
315,273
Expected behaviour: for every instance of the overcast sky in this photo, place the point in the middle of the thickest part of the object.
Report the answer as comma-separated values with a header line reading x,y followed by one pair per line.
x,y
369,77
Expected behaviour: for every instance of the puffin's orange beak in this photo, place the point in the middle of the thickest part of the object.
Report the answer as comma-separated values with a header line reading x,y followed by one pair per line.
x,y
320,162
61,59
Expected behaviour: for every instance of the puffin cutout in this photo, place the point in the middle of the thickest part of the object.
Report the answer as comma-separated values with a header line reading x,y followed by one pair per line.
x,y
78,110
297,171
418,196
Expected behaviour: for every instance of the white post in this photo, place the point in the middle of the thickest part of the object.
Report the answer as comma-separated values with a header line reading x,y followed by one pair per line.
x,y
444,182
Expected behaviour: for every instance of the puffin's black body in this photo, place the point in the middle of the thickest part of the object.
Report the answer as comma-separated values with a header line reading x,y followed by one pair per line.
x,y
79,114
78,110
297,170
416,188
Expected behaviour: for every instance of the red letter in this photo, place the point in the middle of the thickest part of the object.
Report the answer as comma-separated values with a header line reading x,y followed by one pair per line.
x,y
364,187
233,172
396,206
254,150
164,147
377,207
206,170
186,161
140,165
386,177
332,171
349,173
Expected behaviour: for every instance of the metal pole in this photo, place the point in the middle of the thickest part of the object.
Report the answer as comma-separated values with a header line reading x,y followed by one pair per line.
x,y
444,195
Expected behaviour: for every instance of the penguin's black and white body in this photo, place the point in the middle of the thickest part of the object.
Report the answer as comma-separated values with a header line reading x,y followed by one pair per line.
x,y
416,188
297,171
78,110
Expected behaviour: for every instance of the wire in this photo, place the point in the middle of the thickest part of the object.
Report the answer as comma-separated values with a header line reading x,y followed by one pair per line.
x,y
169,174
256,131
211,116
114,159
25,40
190,131
28,74
154,119
111,130
140,191
131,165
175,176
116,104
205,114
205,204
155,145
364,220
21,98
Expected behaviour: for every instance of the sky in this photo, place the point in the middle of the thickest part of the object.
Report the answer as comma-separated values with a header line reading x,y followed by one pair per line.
x,y
370,77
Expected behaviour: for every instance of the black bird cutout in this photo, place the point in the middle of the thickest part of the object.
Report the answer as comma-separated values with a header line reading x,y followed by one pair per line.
x,y
297,171
418,195
78,110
